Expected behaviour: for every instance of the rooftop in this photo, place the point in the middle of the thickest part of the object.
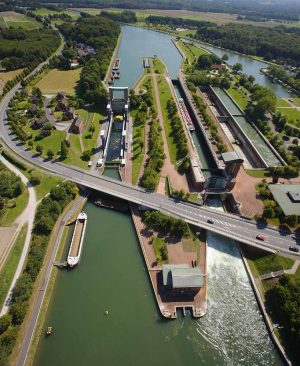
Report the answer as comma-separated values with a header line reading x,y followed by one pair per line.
x,y
287,196
232,156
182,276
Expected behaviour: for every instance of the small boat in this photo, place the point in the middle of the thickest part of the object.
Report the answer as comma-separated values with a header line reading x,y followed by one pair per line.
x,y
49,330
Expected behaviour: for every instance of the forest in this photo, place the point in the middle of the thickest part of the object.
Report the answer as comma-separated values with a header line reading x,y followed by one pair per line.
x,y
19,47
265,42
102,34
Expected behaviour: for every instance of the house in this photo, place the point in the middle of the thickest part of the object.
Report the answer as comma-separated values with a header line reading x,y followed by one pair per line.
x,y
77,125
60,96
219,67
74,62
62,105
39,123
68,115
182,278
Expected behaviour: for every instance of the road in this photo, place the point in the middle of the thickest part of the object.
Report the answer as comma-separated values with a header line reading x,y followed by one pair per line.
x,y
30,328
225,224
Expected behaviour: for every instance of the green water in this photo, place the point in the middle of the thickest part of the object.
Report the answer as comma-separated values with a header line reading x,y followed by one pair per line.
x,y
112,276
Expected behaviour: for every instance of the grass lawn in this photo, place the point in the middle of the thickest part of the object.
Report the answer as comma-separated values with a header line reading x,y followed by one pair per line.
x,y
292,114
158,245
256,173
191,52
57,80
280,102
44,12
238,96
270,263
89,140
47,182
15,207
164,96
75,152
50,142
16,20
8,270
297,101
158,66
138,153
8,75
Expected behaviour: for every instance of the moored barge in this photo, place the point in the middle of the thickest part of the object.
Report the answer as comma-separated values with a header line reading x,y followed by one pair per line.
x,y
77,240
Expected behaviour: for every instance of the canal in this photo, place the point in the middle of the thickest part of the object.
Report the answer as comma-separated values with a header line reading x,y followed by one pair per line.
x,y
112,277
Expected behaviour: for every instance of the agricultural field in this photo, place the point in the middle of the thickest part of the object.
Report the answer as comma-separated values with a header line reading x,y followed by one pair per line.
x,y
16,20
8,75
57,80
44,12
219,18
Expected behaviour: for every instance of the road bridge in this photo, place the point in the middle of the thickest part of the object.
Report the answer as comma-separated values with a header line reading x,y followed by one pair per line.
x,y
229,225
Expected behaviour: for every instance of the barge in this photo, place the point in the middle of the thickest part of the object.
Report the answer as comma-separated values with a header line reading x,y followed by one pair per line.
x,y
77,240
116,65
185,115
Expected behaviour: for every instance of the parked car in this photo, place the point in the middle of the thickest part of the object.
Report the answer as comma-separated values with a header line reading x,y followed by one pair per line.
x,y
294,249
260,237
210,221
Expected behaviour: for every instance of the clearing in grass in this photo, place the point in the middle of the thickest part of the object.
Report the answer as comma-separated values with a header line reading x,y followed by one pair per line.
x,y
11,19
57,80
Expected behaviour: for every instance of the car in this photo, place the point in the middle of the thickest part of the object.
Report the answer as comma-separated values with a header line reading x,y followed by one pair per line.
x,y
210,221
260,237
294,249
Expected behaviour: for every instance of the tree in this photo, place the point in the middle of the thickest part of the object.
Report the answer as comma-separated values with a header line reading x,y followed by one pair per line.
x,y
39,149
50,154
86,155
291,220
35,178
225,57
237,67
5,321
18,312
92,129
63,150
268,212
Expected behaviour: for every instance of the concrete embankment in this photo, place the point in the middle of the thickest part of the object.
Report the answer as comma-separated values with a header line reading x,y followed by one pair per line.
x,y
261,304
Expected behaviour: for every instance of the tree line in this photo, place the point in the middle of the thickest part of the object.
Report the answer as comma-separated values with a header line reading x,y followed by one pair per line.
x,y
269,43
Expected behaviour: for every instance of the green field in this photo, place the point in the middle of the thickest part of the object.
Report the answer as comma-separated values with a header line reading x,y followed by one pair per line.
x,y
158,66
89,140
191,52
44,12
8,270
292,114
297,101
75,152
159,244
280,102
57,80
15,20
270,262
237,94
164,96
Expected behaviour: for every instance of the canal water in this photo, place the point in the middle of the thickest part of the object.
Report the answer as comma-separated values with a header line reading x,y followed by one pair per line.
x,y
112,276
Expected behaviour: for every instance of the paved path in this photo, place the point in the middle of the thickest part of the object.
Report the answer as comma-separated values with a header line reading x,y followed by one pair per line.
x,y
40,296
27,216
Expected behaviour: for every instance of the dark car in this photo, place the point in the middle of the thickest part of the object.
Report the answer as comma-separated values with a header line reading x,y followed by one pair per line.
x,y
210,221
260,237
294,249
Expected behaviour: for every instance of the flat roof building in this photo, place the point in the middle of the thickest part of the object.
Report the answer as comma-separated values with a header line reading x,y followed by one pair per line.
x,y
288,197
181,276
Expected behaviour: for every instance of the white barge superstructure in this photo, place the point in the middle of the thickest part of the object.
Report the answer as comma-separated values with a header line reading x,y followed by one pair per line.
x,y
185,115
77,240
